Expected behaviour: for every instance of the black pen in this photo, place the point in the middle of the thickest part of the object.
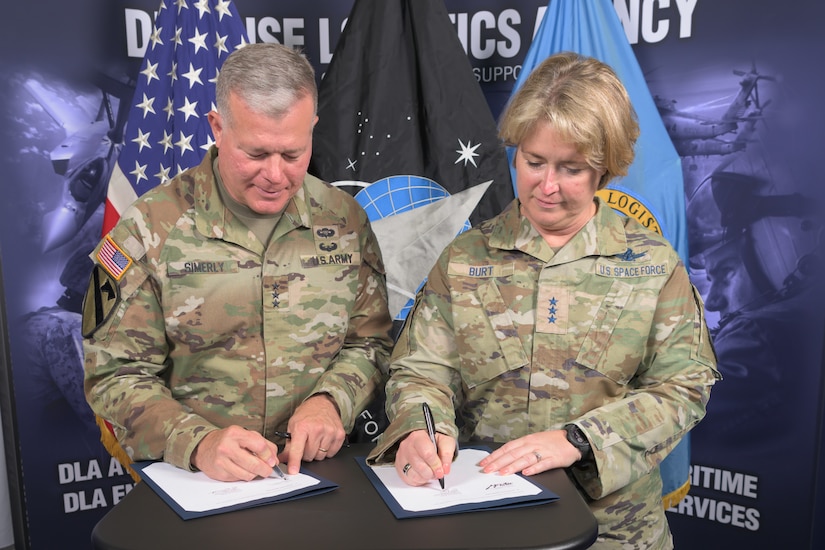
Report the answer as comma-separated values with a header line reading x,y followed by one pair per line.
x,y
428,419
277,472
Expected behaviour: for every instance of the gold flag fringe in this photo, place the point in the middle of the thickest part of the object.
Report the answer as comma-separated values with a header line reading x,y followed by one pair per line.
x,y
110,442
674,497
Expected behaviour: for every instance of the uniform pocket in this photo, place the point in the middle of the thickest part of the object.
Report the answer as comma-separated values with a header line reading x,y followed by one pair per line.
x,y
486,337
201,295
612,349
319,300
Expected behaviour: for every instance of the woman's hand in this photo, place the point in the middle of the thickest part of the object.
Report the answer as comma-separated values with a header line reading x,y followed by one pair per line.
x,y
417,461
532,454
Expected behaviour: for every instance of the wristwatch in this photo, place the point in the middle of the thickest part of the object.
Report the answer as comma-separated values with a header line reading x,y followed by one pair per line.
x,y
577,438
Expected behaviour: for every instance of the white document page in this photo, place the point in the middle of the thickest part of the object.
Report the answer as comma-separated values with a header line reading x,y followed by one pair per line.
x,y
196,492
465,484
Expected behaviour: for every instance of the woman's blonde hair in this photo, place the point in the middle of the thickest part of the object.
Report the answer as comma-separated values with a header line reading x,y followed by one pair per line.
x,y
584,100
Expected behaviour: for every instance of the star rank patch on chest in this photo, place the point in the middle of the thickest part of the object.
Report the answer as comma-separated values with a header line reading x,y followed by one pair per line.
x,y
552,309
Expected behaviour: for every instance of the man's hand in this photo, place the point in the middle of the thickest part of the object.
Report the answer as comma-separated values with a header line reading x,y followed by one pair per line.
x,y
235,454
417,461
317,432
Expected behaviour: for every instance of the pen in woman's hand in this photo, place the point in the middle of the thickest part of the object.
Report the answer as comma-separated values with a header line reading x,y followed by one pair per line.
x,y
428,419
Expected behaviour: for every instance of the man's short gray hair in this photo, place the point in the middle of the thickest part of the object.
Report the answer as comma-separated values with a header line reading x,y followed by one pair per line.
x,y
269,78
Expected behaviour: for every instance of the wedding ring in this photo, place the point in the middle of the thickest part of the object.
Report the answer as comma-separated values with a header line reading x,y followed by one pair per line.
x,y
538,456
406,468
321,450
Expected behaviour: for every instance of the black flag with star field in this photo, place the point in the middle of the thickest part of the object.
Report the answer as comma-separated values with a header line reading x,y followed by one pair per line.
x,y
400,99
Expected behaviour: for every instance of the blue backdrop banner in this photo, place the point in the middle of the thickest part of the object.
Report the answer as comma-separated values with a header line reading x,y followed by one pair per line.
x,y
739,100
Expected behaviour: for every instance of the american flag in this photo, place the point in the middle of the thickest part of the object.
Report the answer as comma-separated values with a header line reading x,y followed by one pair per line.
x,y
113,258
167,130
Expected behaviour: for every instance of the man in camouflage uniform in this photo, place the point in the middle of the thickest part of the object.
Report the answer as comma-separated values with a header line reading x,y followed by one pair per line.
x,y
560,328
242,298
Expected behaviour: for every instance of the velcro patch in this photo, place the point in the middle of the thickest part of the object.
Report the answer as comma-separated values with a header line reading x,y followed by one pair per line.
x,y
203,267
113,259
481,270
317,260
101,300
627,270
552,314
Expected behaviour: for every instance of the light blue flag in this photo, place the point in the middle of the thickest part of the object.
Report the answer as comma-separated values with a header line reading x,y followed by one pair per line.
x,y
653,190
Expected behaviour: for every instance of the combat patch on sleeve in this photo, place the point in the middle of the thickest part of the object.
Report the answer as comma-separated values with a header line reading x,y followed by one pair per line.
x,y
102,298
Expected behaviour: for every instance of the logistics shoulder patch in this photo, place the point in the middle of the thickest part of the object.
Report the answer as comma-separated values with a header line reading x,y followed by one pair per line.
x,y
101,300
113,259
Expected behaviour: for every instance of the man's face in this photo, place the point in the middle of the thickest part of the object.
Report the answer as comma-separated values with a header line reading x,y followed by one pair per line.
x,y
263,160
731,287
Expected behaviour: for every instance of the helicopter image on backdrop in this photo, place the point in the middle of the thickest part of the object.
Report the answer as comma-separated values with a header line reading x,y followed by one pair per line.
x,y
699,135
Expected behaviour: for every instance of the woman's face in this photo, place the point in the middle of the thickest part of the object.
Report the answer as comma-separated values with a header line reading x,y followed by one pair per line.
x,y
555,184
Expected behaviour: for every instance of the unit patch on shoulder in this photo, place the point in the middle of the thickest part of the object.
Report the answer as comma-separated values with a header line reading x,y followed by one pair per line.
x,y
101,300
113,259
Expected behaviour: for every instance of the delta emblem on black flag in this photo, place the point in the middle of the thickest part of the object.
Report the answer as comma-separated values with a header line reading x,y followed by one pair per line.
x,y
404,126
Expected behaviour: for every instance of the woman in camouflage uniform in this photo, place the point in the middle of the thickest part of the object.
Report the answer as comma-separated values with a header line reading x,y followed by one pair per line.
x,y
560,328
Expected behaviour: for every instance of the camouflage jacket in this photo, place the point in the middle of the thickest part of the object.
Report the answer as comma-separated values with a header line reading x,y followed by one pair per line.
x,y
508,338
192,324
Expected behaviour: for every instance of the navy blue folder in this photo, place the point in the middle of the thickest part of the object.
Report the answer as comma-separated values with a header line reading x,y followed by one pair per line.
x,y
319,488
543,497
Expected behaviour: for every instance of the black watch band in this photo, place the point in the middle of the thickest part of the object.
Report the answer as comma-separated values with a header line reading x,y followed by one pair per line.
x,y
577,438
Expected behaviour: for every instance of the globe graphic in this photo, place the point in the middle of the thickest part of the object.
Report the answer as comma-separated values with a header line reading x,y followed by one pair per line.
x,y
397,194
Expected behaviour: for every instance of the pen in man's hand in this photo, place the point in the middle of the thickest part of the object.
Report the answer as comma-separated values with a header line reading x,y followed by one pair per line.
x,y
428,418
277,472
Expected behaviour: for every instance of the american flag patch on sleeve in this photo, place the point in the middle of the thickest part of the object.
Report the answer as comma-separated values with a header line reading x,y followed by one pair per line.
x,y
113,259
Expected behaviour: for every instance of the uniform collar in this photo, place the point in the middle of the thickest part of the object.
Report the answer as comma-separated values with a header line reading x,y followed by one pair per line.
x,y
603,235
215,220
